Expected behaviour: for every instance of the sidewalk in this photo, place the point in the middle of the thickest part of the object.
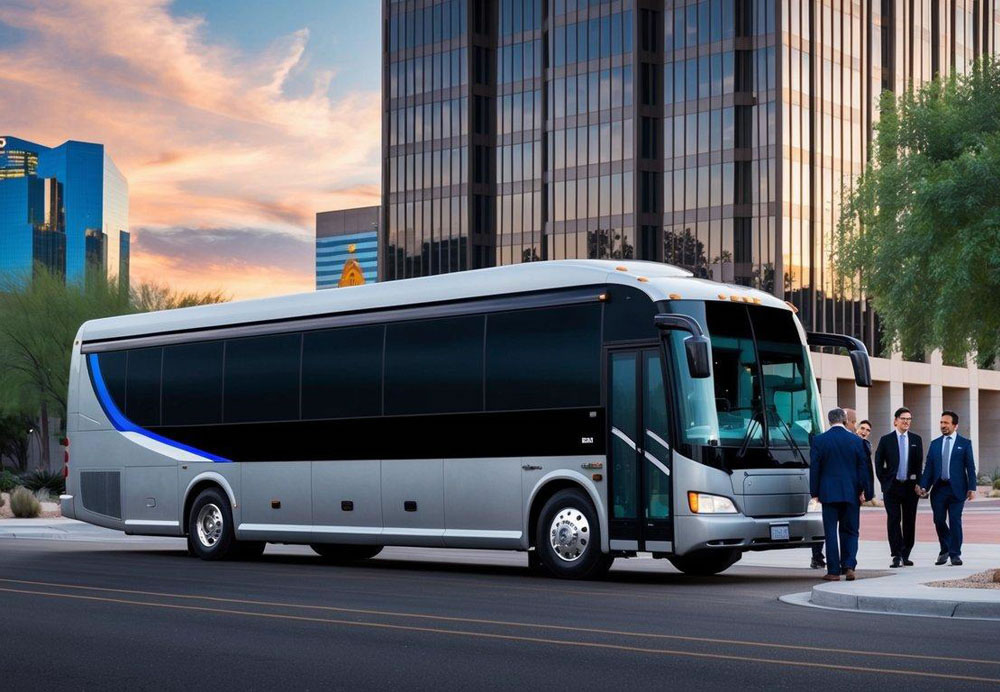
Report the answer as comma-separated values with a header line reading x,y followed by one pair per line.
x,y
897,591
58,528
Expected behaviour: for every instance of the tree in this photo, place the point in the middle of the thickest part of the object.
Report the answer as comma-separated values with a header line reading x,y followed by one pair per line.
x,y
39,318
920,232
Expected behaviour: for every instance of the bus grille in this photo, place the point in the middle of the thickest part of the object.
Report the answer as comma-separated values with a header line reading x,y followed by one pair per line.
x,y
101,492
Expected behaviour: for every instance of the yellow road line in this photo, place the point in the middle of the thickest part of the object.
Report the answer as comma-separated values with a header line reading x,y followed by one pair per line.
x,y
512,638
500,623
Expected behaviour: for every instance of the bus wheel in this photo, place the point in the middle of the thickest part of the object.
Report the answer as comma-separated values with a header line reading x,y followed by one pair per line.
x,y
704,563
568,541
334,552
210,526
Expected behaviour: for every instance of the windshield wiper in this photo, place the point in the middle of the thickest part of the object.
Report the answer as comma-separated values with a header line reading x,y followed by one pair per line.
x,y
755,418
788,435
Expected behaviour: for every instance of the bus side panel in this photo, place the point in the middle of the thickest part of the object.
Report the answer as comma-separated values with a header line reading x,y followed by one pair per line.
x,y
276,499
482,503
347,501
118,482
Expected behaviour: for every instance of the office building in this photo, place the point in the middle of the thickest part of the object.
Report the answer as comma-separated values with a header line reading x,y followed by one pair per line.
x,y
347,247
64,207
717,135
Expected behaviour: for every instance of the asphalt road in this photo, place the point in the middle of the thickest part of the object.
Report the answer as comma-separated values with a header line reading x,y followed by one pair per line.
x,y
117,616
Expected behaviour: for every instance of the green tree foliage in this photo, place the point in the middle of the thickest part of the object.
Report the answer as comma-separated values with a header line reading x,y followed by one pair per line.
x,y
921,230
39,318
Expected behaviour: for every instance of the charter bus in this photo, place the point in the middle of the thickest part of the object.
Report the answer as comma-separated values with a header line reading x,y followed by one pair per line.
x,y
578,410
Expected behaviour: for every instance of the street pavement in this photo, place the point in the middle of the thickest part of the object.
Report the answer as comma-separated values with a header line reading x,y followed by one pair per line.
x,y
116,612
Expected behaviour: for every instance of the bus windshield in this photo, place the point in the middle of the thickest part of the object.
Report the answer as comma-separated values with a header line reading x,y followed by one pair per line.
x,y
761,406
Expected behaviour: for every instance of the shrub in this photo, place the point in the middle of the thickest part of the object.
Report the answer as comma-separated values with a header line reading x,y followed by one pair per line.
x,y
24,505
8,481
1,500
996,484
45,480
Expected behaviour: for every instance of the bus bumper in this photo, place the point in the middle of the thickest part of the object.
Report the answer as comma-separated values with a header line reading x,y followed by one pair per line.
x,y
66,506
746,533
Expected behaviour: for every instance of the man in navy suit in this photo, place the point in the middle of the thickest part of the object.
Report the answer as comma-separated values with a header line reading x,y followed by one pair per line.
x,y
897,465
950,475
838,478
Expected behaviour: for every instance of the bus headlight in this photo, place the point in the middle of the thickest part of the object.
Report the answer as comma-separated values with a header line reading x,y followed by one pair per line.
x,y
814,505
703,503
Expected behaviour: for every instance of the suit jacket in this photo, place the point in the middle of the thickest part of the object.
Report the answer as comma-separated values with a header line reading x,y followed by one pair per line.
x,y
962,467
870,490
887,458
837,469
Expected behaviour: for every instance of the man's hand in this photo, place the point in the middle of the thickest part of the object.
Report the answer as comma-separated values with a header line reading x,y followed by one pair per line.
x,y
919,491
971,495
861,497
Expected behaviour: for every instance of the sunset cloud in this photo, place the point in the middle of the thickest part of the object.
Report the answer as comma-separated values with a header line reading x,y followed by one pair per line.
x,y
205,133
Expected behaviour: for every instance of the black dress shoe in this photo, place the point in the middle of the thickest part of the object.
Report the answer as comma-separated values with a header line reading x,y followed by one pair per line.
x,y
817,563
941,559
907,562
896,562
956,562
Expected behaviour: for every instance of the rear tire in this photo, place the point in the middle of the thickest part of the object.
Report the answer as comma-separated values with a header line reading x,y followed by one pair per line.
x,y
336,552
705,563
211,535
568,538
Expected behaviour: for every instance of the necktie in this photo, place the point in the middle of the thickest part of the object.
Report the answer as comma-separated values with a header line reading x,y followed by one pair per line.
x,y
901,471
946,460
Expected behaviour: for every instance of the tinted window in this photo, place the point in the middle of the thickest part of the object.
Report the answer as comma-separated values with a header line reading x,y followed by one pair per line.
x,y
342,373
112,366
434,366
142,386
262,378
628,314
548,358
192,384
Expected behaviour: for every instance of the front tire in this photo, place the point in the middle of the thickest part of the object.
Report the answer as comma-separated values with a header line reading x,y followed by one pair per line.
x,y
568,538
334,552
211,535
705,563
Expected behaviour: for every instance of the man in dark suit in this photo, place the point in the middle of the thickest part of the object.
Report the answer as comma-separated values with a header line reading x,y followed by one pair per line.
x,y
898,458
950,475
838,479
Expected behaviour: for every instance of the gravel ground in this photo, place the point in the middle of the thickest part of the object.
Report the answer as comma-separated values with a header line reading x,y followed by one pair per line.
x,y
49,509
980,580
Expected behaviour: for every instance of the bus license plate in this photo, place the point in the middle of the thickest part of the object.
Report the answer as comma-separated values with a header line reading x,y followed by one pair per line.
x,y
779,533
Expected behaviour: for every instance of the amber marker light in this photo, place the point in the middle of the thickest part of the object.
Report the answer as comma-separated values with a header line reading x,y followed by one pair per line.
x,y
722,296
602,297
693,501
789,304
674,296
621,268
642,279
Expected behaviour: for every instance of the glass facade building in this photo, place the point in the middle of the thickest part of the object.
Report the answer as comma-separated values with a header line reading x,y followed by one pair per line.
x,y
718,135
347,247
64,207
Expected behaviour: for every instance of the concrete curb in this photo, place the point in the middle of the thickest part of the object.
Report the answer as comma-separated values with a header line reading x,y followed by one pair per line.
x,y
905,594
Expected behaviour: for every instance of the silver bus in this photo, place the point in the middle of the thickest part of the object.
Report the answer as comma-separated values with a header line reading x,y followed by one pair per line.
x,y
581,411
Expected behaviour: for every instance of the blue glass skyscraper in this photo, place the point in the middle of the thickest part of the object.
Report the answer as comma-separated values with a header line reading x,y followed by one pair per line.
x,y
64,207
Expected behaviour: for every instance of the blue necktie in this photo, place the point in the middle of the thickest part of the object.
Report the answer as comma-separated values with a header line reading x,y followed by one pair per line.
x,y
946,460
901,471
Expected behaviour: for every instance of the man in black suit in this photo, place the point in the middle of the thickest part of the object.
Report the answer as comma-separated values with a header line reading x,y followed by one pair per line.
x,y
898,461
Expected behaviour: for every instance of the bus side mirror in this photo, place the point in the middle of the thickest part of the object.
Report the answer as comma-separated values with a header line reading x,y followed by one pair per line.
x,y
855,349
699,356
697,347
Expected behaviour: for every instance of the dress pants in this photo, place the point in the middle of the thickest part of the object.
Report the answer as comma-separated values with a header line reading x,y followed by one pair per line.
x,y
947,507
901,517
840,521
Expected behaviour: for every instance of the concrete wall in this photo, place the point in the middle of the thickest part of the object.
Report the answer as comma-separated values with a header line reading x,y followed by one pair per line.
x,y
926,389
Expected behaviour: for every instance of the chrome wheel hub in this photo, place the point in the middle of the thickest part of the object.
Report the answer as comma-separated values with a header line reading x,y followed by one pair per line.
x,y
209,524
569,534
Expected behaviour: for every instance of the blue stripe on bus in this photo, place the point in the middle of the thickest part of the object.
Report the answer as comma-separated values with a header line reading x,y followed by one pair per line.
x,y
123,424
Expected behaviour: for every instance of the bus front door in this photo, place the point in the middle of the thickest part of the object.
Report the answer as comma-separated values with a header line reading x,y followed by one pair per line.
x,y
639,489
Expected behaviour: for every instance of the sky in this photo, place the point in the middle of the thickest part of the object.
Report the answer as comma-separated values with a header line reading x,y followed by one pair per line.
x,y
233,121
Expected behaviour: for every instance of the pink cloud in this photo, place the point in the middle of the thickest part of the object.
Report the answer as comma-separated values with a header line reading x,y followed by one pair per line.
x,y
205,134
